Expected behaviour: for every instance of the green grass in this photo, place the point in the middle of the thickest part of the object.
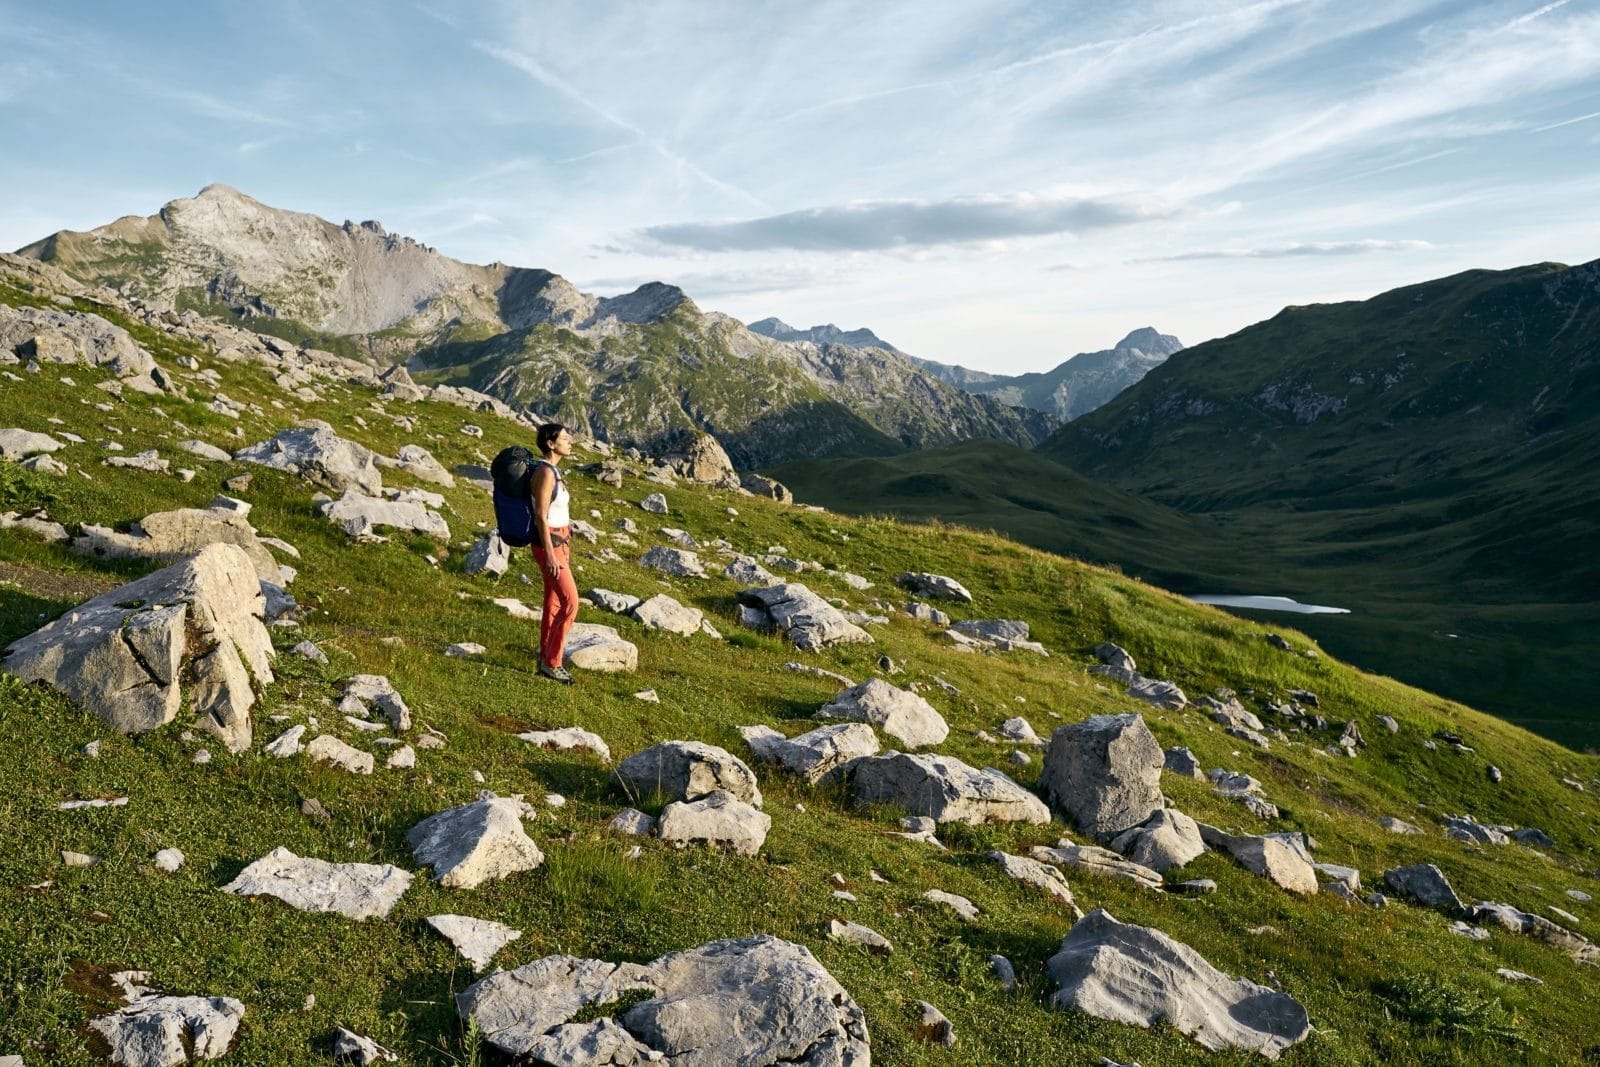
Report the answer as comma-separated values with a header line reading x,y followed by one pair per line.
x,y
395,980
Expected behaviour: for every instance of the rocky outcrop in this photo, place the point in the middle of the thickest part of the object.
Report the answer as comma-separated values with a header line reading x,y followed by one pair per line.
x,y
700,458
687,770
819,755
131,656
173,534
1168,839
1104,772
934,586
901,714
320,456
358,515
152,1029
718,819
944,789
354,890
806,619
53,335
1139,975
758,1001
475,843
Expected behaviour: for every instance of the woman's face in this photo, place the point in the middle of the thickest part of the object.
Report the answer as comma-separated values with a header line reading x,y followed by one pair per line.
x,y
562,445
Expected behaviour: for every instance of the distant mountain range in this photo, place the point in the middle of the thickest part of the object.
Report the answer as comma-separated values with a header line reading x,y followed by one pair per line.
x,y
639,368
1429,458
1075,387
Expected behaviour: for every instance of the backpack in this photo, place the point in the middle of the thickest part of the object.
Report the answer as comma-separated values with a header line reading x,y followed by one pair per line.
x,y
512,471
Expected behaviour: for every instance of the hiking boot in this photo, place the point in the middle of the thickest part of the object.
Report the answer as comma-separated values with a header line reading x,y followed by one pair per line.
x,y
560,674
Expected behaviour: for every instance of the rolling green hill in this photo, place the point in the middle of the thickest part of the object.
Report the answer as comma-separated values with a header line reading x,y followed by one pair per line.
x,y
1386,985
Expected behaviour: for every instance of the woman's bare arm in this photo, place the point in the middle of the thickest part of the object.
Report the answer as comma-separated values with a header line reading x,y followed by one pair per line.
x,y
544,491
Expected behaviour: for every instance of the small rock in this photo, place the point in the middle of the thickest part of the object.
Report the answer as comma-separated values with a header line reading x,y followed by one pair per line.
x,y
476,939
351,1047
1004,971
169,860
933,1027
856,934
959,904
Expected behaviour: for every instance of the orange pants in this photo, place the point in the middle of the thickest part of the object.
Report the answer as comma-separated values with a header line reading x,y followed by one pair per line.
x,y
560,601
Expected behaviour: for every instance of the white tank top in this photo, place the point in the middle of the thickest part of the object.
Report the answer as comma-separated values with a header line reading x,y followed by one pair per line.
x,y
559,514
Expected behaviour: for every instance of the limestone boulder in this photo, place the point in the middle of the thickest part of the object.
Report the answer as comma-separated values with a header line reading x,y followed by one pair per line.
x,y
1425,884
353,1048
760,485
1536,926
758,1002
175,534
419,463
328,749
1139,975
808,621
1096,860
1180,761
718,819
476,939
475,843
354,890
747,570
687,770
131,656
1037,875
358,515
569,739
17,445
1274,856
321,457
900,713
592,647
662,612
1105,773
702,459
1168,839
994,629
616,603
55,335
678,562
934,586
488,555
944,789
151,1029
817,756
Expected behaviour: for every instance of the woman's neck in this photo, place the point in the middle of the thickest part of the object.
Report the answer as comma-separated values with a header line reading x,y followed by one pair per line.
x,y
552,459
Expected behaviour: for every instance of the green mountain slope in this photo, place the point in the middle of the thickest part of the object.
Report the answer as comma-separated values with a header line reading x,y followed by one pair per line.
x,y
1390,985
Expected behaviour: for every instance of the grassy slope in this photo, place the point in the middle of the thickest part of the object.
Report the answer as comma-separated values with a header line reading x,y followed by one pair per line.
x,y
394,979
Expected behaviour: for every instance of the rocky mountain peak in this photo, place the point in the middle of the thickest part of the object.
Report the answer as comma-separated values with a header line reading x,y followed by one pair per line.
x,y
1149,340
651,302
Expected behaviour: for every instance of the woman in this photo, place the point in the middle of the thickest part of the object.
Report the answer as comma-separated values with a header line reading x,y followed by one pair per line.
x,y
552,536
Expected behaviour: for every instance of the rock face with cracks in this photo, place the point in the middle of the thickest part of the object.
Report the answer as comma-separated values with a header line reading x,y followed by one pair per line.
x,y
1105,772
818,755
718,819
1135,974
901,714
476,939
1168,839
807,620
945,789
174,534
355,890
755,1001
123,654
153,1030
475,843
320,456
686,770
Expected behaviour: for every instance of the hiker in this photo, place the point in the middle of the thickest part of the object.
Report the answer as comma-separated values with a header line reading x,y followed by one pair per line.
x,y
552,536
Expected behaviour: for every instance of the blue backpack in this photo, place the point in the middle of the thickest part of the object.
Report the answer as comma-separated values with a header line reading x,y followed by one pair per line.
x,y
512,471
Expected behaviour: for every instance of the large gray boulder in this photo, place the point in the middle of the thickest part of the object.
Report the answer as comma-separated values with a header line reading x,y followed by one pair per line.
x,y
593,647
358,515
155,1030
944,789
320,456
355,890
678,562
718,819
1279,857
760,485
993,629
702,459
687,770
806,619
1425,884
131,655
757,1002
17,445
1536,926
662,612
1105,772
819,755
1135,974
52,335
488,555
174,534
1168,839
900,713
419,463
936,586
1097,861
475,843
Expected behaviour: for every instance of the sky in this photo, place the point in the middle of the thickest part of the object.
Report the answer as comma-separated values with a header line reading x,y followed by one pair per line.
x,y
993,183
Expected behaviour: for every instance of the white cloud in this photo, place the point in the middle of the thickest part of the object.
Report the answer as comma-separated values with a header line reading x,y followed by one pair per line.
x,y
1309,248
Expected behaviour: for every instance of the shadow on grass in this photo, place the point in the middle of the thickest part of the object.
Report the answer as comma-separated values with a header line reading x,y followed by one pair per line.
x,y
22,612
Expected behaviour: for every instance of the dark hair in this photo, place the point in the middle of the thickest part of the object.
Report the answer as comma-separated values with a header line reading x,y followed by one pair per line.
x,y
546,435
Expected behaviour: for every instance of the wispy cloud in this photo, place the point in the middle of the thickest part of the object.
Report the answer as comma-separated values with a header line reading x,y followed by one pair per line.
x,y
214,107
1566,122
1309,248
542,74
898,224
781,278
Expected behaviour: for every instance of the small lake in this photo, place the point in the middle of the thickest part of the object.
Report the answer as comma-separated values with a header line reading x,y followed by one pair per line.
x,y
1268,603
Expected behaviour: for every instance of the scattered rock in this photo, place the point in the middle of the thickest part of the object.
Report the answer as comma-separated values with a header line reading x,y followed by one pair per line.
x,y
856,934
1538,927
320,456
355,890
933,1027
1097,861
475,843
1398,826
1168,839
591,647
616,603
476,939
945,789
1040,876
958,904
936,586
1004,971
807,620
1272,856
153,1030
1179,760
325,748
569,739
358,515
678,562
351,1047
307,650
1424,884
686,770
633,822
718,819
819,755
1104,772
377,691
178,534
661,612
17,445
287,743
899,713
1135,974
488,555
122,655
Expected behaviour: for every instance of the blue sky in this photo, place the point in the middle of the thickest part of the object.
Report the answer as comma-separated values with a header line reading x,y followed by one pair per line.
x,y
996,184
